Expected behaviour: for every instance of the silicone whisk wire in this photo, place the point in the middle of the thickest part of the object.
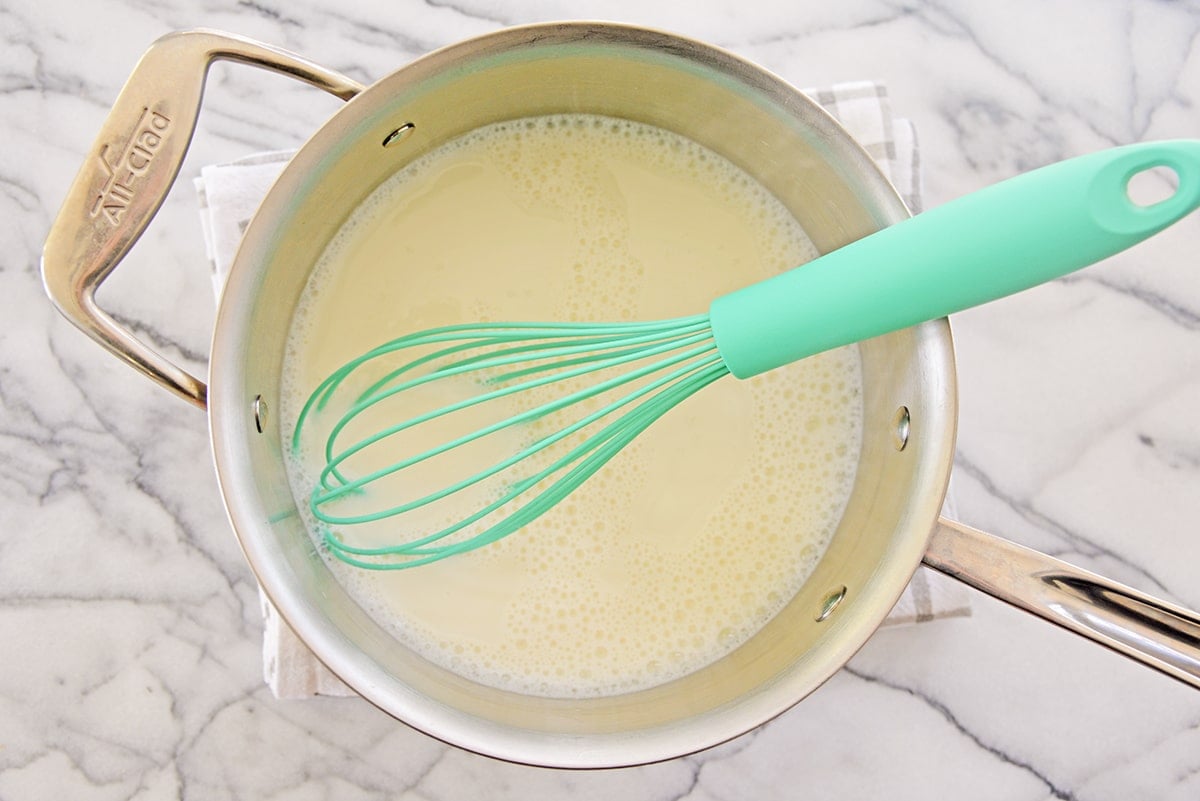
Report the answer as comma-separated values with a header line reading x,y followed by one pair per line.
x,y
656,364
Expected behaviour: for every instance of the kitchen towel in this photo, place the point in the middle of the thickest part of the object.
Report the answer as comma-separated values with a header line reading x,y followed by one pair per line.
x,y
230,193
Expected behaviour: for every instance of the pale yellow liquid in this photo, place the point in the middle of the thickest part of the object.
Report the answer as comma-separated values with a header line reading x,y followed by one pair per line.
x,y
702,529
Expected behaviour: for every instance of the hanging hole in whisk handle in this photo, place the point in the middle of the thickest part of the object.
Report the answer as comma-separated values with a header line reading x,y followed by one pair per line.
x,y
1144,188
1152,186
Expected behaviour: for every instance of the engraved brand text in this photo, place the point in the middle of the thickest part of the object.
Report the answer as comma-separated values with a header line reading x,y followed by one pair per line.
x,y
129,167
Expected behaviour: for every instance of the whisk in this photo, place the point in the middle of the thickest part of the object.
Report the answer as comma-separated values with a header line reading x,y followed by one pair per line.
x,y
984,246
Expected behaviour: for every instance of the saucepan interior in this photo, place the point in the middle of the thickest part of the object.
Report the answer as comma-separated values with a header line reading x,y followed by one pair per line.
x,y
759,123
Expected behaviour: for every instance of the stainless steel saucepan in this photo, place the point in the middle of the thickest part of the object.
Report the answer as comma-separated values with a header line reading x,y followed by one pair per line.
x,y
760,123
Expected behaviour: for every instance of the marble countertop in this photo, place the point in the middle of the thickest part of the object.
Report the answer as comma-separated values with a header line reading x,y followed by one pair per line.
x,y
130,622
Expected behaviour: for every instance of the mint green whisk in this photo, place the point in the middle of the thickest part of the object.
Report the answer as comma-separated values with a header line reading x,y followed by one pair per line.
x,y
1008,237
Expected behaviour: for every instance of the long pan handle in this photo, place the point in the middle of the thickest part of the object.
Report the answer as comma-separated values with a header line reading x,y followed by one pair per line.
x,y
1164,636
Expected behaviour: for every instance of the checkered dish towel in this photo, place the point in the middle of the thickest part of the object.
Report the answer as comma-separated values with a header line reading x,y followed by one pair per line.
x,y
230,193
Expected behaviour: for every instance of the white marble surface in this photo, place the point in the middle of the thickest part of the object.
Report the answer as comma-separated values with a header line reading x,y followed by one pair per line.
x,y
128,620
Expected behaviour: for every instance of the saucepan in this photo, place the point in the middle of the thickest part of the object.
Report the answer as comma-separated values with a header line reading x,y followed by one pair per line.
x,y
772,131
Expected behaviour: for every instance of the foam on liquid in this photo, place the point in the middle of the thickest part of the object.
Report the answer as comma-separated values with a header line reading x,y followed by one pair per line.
x,y
703,528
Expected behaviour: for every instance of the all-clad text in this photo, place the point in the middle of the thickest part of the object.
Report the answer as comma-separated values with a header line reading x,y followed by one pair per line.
x,y
124,173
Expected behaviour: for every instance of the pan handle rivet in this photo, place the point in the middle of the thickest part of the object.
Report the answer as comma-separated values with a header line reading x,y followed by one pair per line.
x,y
260,413
399,134
900,427
831,602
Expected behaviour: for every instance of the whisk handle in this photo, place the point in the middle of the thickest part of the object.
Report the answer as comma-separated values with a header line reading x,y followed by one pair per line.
x,y
1011,236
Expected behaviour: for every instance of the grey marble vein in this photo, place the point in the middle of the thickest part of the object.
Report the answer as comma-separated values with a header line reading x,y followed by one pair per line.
x,y
1174,310
1079,545
942,709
